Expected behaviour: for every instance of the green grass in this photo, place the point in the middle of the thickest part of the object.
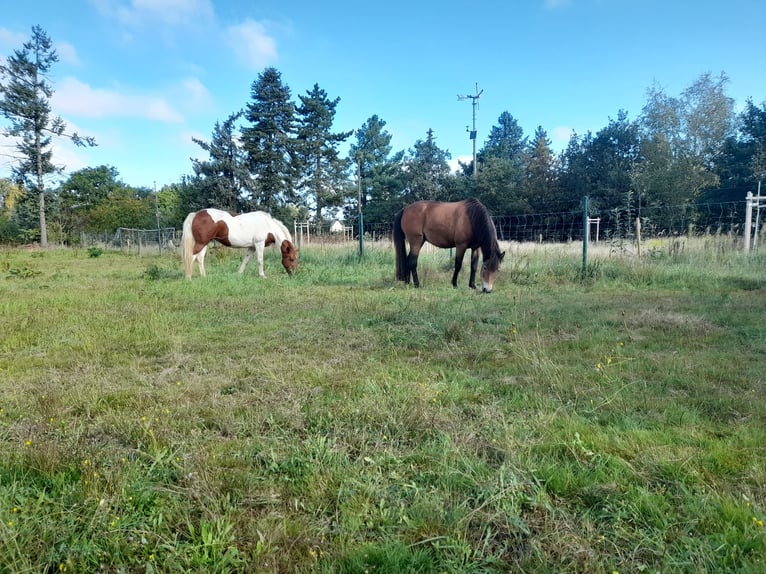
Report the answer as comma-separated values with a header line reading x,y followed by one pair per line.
x,y
339,422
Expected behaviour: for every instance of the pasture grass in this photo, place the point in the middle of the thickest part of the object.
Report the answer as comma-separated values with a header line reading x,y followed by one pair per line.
x,y
606,420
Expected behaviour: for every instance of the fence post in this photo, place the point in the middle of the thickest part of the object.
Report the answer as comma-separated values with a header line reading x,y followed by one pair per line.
x,y
584,233
638,236
748,219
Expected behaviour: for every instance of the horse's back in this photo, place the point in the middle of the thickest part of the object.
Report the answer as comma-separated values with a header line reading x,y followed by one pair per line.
x,y
442,223
259,224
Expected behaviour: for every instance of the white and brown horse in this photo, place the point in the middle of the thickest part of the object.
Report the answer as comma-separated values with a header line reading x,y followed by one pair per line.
x,y
252,231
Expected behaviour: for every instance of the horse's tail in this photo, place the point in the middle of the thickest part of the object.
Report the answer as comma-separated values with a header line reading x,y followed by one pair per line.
x,y
187,245
399,248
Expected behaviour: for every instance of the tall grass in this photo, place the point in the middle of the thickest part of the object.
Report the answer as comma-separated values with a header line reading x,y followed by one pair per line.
x,y
603,420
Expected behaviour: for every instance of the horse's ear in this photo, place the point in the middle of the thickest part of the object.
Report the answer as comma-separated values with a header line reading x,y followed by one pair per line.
x,y
286,246
502,255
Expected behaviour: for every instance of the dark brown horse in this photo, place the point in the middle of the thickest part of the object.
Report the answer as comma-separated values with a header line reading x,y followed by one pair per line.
x,y
459,224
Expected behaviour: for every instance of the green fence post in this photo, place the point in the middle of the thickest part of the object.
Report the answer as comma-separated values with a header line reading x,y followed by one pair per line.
x,y
584,234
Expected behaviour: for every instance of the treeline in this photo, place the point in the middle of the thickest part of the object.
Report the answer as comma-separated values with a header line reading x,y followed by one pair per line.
x,y
282,155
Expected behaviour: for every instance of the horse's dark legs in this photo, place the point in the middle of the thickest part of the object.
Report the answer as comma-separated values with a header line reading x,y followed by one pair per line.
x,y
412,268
459,253
474,264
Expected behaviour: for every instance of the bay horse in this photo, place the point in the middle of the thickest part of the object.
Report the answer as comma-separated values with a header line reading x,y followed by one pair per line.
x,y
460,224
252,231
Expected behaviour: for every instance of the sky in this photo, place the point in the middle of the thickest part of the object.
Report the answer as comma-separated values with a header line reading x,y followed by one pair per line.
x,y
143,77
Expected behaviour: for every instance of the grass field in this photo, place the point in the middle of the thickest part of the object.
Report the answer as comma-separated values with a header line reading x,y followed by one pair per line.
x,y
612,420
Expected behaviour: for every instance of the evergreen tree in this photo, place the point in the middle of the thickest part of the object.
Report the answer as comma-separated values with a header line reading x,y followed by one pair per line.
x,y
25,94
540,174
742,164
612,154
380,174
223,180
505,141
323,171
501,161
269,141
426,170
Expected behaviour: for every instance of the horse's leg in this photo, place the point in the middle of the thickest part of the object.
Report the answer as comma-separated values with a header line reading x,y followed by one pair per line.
x,y
412,262
474,264
259,247
201,261
246,259
459,253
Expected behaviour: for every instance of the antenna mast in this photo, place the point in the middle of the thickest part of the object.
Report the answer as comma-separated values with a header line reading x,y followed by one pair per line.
x,y
474,101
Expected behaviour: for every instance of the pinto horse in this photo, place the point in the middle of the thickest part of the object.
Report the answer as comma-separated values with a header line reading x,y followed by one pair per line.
x,y
252,231
460,224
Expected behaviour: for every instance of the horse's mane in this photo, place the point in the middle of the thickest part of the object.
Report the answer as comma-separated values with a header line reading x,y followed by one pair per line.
x,y
275,226
485,233
283,229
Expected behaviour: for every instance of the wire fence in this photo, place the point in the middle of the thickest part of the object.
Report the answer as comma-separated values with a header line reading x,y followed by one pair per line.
x,y
140,241
725,219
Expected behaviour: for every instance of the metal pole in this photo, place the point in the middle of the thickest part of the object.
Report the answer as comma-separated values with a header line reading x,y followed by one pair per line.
x,y
748,218
585,234
361,216
757,217
473,134
157,213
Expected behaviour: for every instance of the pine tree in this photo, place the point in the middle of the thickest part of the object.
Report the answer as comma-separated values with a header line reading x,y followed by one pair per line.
x,y
223,180
323,172
427,170
25,94
269,140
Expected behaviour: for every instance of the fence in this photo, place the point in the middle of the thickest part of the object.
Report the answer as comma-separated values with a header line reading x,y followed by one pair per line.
x,y
728,219
141,241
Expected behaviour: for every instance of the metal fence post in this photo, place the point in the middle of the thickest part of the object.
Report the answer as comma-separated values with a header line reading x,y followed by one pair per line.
x,y
584,233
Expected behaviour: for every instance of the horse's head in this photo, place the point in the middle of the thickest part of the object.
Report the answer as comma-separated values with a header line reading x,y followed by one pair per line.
x,y
489,271
289,257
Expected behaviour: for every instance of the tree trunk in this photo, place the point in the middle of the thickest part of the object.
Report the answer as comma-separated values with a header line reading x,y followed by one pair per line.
x,y
43,226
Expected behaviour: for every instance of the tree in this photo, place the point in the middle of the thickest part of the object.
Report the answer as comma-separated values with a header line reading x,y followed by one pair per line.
x,y
606,160
505,141
25,101
224,179
269,142
380,174
83,191
501,160
540,179
681,140
10,193
426,170
323,172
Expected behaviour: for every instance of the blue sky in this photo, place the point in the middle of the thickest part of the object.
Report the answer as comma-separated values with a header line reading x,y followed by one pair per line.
x,y
145,76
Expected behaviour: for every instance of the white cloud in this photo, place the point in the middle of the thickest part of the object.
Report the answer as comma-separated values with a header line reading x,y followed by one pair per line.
x,y
11,40
67,53
193,94
79,99
252,44
561,136
169,12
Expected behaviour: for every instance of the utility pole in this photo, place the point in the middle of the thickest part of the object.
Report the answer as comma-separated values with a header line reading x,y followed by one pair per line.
x,y
474,101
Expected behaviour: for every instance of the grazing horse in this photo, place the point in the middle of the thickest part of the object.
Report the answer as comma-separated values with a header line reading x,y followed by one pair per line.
x,y
460,224
252,231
